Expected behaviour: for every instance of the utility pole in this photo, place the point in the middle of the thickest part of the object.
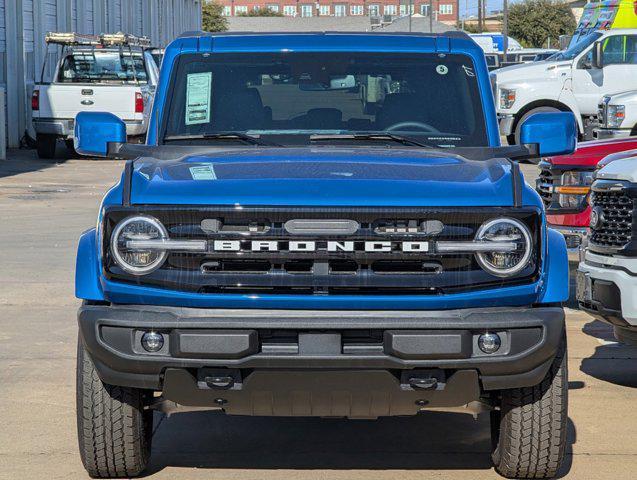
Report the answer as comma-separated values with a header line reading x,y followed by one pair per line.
x,y
431,16
411,3
466,9
505,29
480,29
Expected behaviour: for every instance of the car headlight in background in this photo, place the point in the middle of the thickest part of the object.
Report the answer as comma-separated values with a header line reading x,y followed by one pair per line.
x,y
130,257
507,98
615,115
511,246
574,189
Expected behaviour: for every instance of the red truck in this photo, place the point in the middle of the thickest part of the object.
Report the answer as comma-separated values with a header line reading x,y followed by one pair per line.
x,y
564,185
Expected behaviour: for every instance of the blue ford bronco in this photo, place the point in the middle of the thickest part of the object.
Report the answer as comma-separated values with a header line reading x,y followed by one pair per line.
x,y
322,225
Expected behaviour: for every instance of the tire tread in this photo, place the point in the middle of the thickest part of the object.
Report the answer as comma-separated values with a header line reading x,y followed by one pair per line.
x,y
113,427
533,424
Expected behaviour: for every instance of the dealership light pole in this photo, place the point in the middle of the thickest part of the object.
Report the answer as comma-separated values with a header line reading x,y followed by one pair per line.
x,y
505,28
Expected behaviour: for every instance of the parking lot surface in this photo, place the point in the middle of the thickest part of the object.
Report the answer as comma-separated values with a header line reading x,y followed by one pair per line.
x,y
45,205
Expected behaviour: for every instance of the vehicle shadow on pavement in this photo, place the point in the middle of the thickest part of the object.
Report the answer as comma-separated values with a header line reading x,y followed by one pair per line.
x,y
25,161
612,362
21,161
430,441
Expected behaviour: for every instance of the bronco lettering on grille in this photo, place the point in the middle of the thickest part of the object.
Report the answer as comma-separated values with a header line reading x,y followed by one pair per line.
x,y
314,246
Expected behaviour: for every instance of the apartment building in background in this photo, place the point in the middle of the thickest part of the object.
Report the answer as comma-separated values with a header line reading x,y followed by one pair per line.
x,y
444,11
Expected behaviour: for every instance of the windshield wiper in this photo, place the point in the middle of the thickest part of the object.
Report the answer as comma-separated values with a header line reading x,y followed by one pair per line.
x,y
222,136
371,136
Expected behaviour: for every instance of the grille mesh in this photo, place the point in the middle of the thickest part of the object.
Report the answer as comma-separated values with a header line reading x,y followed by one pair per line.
x,y
545,186
617,213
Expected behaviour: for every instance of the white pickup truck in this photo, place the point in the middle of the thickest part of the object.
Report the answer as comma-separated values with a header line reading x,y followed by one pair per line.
x,y
607,276
617,116
602,63
110,72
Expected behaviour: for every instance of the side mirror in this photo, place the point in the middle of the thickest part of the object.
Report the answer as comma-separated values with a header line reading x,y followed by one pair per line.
x,y
554,133
95,130
598,55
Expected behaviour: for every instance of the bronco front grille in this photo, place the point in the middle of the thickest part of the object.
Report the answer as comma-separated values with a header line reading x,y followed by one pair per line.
x,y
323,271
612,217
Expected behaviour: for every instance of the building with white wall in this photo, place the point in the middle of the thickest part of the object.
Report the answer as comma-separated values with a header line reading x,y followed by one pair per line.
x,y
23,24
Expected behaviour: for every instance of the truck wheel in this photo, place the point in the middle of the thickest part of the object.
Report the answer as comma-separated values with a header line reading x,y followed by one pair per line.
x,y
529,430
70,146
45,145
114,430
516,136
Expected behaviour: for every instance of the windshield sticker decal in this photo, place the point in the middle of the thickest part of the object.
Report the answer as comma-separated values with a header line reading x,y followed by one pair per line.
x,y
469,71
198,98
442,69
203,172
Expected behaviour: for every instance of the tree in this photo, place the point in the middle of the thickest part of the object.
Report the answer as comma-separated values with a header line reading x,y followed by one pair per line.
x,y
533,22
212,19
261,12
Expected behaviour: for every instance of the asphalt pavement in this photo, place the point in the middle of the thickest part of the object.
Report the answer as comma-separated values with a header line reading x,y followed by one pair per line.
x,y
45,205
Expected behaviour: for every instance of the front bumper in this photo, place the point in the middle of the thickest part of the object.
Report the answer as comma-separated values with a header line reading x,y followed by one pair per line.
x,y
606,290
262,350
506,122
576,240
608,133
64,128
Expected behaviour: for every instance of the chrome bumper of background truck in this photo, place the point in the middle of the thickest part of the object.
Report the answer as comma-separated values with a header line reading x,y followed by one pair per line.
x,y
64,128
609,133
576,240
506,123
606,290
241,355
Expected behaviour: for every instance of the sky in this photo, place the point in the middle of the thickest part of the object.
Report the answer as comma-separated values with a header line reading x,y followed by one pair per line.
x,y
470,7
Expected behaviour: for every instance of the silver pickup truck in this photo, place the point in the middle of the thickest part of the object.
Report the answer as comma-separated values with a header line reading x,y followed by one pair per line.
x,y
109,72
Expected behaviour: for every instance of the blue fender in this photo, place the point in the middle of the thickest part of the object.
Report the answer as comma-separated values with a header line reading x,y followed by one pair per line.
x,y
555,269
87,269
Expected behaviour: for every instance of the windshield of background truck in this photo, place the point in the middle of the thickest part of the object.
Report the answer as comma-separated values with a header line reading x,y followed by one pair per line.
x,y
96,66
431,98
573,51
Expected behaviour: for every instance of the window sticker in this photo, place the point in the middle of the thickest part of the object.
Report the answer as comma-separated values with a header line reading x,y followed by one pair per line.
x,y
203,172
442,69
198,98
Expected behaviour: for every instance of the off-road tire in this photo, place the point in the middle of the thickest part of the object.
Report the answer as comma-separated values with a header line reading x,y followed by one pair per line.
x,y
46,145
529,430
114,430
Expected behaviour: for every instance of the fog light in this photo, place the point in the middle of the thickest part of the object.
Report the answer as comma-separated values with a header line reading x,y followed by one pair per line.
x,y
152,341
489,342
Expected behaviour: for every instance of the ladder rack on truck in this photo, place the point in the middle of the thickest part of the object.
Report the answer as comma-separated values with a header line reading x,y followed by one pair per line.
x,y
105,39
113,72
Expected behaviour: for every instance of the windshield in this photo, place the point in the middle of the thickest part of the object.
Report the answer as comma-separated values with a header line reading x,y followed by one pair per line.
x,y
93,66
573,51
431,98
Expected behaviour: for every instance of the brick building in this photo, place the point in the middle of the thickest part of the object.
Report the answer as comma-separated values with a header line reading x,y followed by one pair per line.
x,y
445,11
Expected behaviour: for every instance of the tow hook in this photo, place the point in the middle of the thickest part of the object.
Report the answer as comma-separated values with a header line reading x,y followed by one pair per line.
x,y
219,381
429,383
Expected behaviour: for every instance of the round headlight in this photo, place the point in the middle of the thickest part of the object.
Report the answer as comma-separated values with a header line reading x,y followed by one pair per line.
x,y
135,260
512,246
